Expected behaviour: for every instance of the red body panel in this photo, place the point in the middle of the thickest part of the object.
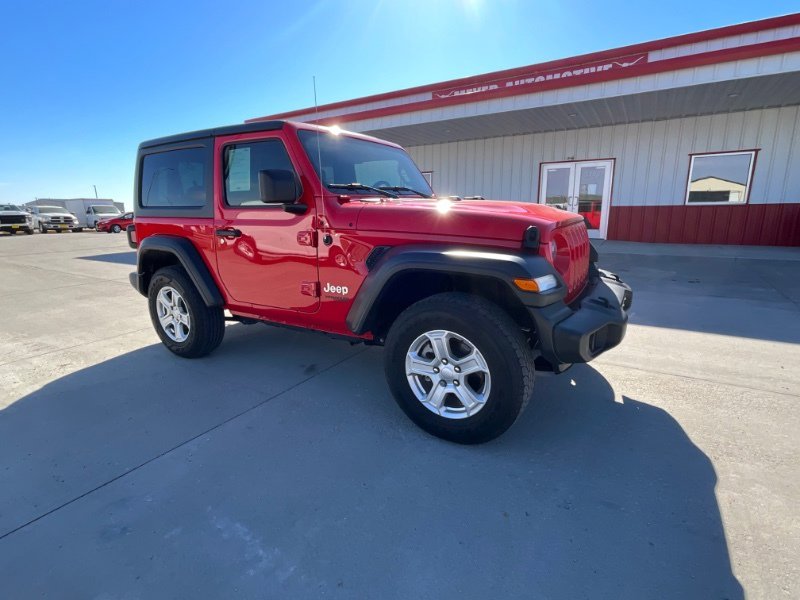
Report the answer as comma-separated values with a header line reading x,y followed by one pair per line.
x,y
278,264
264,267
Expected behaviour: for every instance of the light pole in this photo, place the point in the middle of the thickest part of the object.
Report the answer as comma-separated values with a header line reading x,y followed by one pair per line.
x,y
95,191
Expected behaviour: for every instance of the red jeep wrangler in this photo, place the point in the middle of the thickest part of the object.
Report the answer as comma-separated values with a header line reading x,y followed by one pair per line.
x,y
306,226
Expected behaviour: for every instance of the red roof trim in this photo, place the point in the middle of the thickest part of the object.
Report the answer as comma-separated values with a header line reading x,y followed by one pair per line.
x,y
660,66
687,38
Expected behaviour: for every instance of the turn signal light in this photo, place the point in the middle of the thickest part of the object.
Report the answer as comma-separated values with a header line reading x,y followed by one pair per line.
x,y
539,284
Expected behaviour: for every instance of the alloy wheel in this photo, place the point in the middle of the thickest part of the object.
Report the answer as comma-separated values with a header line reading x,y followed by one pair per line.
x,y
448,374
173,314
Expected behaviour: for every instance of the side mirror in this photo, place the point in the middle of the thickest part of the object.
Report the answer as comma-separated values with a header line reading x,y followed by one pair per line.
x,y
277,186
88,211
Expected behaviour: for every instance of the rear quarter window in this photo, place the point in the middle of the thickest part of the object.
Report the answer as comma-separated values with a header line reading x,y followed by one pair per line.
x,y
175,179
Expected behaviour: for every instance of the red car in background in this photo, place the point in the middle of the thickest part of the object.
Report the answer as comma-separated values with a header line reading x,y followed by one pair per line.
x,y
116,224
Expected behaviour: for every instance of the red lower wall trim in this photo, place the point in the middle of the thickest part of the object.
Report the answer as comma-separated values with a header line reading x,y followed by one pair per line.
x,y
750,224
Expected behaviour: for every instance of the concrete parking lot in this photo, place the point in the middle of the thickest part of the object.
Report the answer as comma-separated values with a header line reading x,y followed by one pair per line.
x,y
280,466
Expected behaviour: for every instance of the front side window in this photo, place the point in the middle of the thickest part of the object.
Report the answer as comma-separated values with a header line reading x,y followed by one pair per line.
x,y
176,178
720,178
242,164
346,160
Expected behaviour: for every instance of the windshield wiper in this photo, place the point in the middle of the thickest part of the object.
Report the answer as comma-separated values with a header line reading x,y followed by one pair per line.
x,y
402,188
361,186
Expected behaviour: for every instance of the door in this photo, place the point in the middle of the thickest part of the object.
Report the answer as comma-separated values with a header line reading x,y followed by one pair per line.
x,y
582,187
266,257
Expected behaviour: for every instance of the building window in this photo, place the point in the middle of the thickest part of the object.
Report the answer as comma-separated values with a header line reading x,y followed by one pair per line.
x,y
721,178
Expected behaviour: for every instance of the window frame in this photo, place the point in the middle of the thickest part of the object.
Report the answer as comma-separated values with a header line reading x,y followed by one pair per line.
x,y
753,152
204,211
263,205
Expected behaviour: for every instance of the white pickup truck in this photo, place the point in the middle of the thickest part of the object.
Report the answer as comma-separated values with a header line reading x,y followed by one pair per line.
x,y
13,219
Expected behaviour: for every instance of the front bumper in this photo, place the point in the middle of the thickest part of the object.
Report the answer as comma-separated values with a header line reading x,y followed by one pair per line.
x,y
15,226
63,226
590,325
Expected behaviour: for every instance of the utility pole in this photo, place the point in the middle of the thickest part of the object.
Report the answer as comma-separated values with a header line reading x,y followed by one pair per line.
x,y
95,191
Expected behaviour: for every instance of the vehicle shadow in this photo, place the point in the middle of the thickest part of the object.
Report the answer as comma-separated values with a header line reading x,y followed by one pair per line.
x,y
120,258
325,488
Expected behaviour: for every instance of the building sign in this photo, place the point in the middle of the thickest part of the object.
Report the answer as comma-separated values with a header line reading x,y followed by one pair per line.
x,y
536,78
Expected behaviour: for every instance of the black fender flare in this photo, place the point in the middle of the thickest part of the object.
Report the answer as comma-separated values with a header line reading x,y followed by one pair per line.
x,y
504,266
188,257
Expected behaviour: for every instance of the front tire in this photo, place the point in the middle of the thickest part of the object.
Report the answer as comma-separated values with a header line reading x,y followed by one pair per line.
x,y
116,229
29,231
186,326
459,367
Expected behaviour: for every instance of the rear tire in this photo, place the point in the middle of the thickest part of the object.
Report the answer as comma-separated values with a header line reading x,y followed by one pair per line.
x,y
204,326
503,367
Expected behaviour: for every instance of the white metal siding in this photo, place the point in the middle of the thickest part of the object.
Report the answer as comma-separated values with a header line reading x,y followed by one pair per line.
x,y
734,41
740,69
652,158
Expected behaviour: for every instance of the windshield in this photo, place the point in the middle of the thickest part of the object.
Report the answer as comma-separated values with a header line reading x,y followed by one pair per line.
x,y
106,210
10,207
347,160
53,209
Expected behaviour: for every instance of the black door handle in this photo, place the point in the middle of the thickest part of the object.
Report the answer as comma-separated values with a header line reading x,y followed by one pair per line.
x,y
229,232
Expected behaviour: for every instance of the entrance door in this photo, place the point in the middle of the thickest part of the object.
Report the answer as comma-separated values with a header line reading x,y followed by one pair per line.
x,y
582,187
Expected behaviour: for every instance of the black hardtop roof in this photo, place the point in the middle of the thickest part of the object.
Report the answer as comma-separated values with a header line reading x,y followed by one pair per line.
x,y
213,132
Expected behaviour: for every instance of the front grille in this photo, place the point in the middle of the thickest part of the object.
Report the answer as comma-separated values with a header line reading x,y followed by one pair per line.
x,y
11,219
575,271
60,219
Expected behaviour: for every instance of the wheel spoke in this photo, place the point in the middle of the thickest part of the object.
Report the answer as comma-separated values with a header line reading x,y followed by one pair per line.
x,y
164,298
468,398
439,343
417,365
472,363
436,397
165,320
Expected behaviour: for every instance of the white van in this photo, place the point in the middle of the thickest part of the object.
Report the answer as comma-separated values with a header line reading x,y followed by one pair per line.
x,y
98,212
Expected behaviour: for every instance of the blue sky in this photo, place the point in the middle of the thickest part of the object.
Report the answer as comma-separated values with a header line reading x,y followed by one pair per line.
x,y
84,82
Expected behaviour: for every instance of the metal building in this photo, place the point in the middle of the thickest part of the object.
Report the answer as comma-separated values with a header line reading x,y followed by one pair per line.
x,y
690,139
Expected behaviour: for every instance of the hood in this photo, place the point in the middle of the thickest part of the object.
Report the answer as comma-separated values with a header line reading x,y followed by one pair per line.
x,y
13,213
490,219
